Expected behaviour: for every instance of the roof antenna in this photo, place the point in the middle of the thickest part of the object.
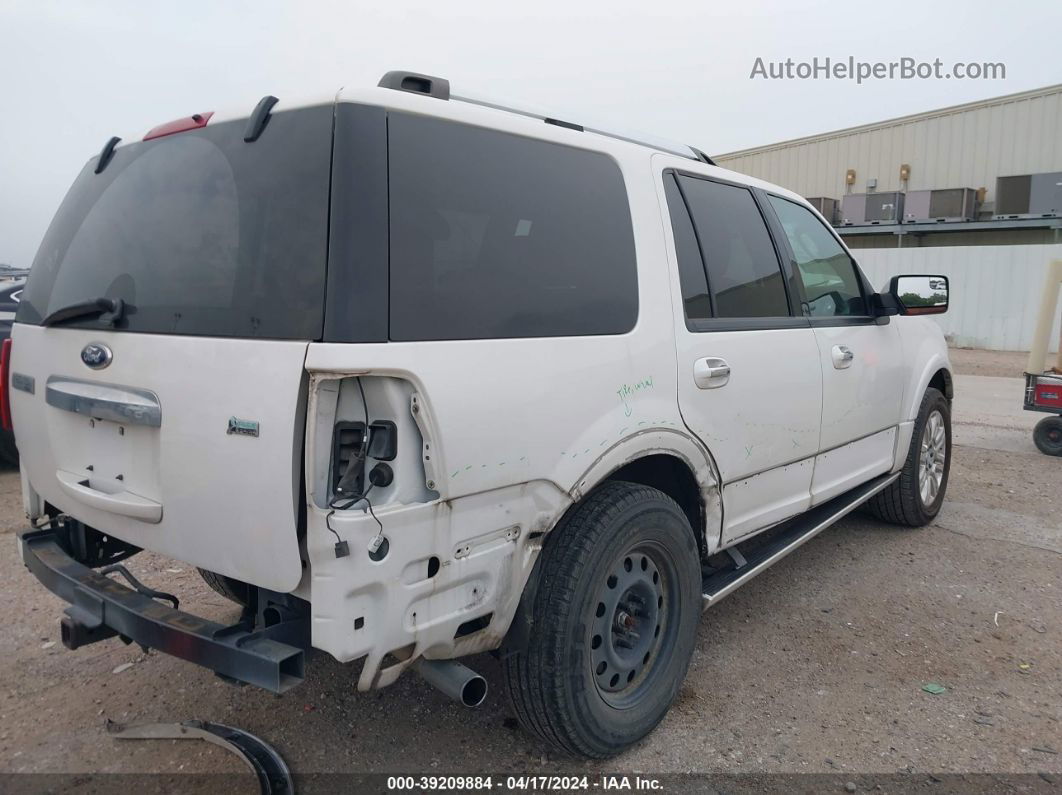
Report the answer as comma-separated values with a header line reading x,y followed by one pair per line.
x,y
259,117
107,153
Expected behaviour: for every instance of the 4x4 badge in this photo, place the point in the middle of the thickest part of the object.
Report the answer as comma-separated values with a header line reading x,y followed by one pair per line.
x,y
242,427
96,355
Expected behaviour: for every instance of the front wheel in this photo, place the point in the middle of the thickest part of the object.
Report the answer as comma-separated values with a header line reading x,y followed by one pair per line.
x,y
1048,435
612,623
914,499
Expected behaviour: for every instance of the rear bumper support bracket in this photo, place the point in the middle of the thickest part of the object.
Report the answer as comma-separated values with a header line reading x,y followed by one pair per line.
x,y
102,608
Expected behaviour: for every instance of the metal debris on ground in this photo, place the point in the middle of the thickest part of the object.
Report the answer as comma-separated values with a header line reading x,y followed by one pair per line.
x,y
272,773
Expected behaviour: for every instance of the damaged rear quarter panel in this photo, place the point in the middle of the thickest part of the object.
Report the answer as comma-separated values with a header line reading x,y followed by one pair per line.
x,y
517,429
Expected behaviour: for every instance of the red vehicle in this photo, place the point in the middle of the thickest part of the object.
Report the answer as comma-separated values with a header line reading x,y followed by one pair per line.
x,y
1043,387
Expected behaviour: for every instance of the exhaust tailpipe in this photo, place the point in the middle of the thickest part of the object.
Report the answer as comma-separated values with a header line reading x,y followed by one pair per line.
x,y
454,679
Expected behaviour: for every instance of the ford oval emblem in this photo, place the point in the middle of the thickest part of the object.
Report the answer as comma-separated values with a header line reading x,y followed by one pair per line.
x,y
96,355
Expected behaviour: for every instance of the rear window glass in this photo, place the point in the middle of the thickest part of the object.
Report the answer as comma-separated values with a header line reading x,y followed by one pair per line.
x,y
496,235
199,233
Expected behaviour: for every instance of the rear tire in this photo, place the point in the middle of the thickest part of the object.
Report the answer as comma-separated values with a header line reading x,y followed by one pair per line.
x,y
232,589
1048,435
613,622
914,499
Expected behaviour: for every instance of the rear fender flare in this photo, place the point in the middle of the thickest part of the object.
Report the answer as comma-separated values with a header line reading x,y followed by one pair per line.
x,y
655,441
662,441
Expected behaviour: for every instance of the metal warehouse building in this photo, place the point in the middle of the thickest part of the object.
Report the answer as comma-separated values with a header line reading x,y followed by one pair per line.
x,y
967,146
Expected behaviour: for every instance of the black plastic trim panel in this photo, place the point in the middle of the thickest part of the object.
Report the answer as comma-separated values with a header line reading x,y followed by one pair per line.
x,y
356,301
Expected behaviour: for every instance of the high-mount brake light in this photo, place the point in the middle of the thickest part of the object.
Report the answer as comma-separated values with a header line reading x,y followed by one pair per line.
x,y
193,122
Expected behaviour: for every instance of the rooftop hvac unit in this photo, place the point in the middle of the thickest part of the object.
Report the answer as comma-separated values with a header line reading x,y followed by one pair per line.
x,y
827,207
1045,194
884,208
854,209
1029,196
870,209
939,206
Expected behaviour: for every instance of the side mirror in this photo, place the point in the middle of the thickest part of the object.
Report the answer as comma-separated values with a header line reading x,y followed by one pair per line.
x,y
920,295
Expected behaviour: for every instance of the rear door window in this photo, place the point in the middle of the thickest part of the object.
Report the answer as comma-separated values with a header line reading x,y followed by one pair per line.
x,y
497,235
199,233
744,274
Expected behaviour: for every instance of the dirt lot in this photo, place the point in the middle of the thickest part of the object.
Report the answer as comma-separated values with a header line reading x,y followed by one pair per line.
x,y
816,666
1007,364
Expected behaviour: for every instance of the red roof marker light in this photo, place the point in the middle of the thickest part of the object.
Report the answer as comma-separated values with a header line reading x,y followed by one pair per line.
x,y
193,122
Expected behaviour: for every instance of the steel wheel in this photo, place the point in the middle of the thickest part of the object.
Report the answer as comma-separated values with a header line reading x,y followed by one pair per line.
x,y
621,563
631,624
931,461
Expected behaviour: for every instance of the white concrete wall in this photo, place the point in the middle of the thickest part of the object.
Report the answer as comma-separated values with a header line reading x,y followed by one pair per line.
x,y
995,290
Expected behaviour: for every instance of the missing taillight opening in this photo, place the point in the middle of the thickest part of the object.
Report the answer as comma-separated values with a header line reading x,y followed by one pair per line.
x,y
347,441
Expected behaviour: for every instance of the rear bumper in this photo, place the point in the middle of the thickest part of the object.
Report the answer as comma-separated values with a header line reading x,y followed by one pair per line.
x,y
102,608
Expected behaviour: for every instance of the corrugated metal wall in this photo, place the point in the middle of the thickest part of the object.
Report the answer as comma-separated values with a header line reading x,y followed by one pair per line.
x,y
995,291
966,146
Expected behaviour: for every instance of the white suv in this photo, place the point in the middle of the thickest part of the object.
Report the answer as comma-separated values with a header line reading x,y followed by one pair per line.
x,y
412,376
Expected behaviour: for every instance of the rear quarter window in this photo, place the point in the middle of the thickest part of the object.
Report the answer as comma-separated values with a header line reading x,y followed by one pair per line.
x,y
494,235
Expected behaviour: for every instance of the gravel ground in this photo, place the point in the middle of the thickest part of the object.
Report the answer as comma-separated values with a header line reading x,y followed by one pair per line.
x,y
1008,364
817,666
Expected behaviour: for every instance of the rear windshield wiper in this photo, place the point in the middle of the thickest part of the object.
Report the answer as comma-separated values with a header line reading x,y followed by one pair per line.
x,y
97,306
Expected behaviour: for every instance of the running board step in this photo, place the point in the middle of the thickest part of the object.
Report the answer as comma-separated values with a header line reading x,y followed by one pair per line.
x,y
719,585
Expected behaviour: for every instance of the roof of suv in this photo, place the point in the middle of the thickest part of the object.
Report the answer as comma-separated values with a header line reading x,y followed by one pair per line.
x,y
414,92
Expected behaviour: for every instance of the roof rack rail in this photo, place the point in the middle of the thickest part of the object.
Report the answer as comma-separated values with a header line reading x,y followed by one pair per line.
x,y
440,88
631,137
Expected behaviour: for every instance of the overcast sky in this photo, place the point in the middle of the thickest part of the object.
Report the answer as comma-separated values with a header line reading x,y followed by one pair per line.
x,y
75,74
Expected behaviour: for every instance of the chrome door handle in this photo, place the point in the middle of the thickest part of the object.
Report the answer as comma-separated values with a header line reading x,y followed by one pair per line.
x,y
711,373
842,356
